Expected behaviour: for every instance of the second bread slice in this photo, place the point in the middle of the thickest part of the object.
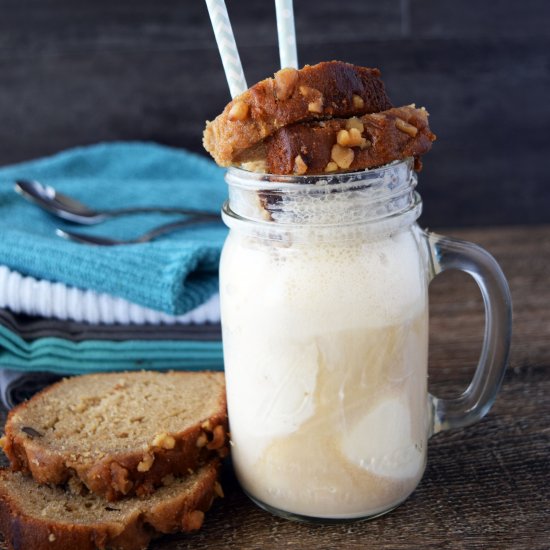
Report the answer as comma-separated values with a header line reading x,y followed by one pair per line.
x,y
119,434
38,517
348,144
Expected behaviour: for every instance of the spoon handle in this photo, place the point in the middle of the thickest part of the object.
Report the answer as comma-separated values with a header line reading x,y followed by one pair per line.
x,y
169,227
87,239
146,237
160,210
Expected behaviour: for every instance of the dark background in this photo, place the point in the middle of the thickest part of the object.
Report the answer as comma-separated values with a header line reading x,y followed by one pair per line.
x,y
76,72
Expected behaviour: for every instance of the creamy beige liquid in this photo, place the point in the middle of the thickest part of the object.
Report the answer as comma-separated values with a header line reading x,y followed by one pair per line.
x,y
326,354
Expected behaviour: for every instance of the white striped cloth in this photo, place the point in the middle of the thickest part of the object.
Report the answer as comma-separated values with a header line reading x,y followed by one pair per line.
x,y
23,294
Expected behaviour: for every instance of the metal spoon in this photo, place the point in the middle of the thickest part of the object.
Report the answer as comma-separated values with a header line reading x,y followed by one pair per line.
x,y
146,237
72,210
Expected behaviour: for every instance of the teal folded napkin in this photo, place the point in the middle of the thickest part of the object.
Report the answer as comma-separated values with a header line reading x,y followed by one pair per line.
x,y
66,357
173,274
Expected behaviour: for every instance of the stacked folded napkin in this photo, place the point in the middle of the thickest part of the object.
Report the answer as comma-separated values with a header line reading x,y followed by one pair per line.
x,y
70,308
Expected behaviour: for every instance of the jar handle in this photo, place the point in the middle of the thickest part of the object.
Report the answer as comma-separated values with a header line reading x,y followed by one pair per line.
x,y
475,402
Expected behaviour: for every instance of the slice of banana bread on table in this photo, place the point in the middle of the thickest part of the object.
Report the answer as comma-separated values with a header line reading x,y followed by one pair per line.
x,y
119,434
315,92
40,517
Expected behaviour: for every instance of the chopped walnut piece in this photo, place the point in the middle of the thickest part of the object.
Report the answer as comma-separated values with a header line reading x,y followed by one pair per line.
x,y
331,167
349,138
316,97
355,137
218,438
285,83
255,166
315,106
164,440
342,138
342,156
119,478
405,127
239,111
354,122
146,463
358,102
202,440
300,167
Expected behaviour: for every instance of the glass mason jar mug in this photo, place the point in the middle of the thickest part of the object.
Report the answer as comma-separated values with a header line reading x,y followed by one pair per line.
x,y
324,303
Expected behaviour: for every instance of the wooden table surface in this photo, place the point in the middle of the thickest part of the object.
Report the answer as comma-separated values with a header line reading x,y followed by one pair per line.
x,y
486,486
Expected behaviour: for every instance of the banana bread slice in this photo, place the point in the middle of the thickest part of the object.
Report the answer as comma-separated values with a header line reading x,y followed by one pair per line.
x,y
328,89
40,517
119,434
339,145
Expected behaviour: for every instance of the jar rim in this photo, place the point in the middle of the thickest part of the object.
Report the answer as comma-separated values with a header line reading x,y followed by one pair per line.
x,y
383,196
257,180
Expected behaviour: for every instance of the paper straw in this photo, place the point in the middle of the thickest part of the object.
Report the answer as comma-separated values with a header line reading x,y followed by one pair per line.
x,y
286,33
227,46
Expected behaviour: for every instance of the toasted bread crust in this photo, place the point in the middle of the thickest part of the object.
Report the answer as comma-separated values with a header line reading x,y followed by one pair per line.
x,y
314,92
385,141
24,530
135,471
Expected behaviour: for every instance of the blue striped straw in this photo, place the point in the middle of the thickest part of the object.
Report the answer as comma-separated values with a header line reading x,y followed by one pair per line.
x,y
227,46
286,33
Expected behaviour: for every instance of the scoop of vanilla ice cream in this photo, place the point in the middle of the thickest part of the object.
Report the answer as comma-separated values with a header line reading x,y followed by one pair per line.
x,y
381,441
